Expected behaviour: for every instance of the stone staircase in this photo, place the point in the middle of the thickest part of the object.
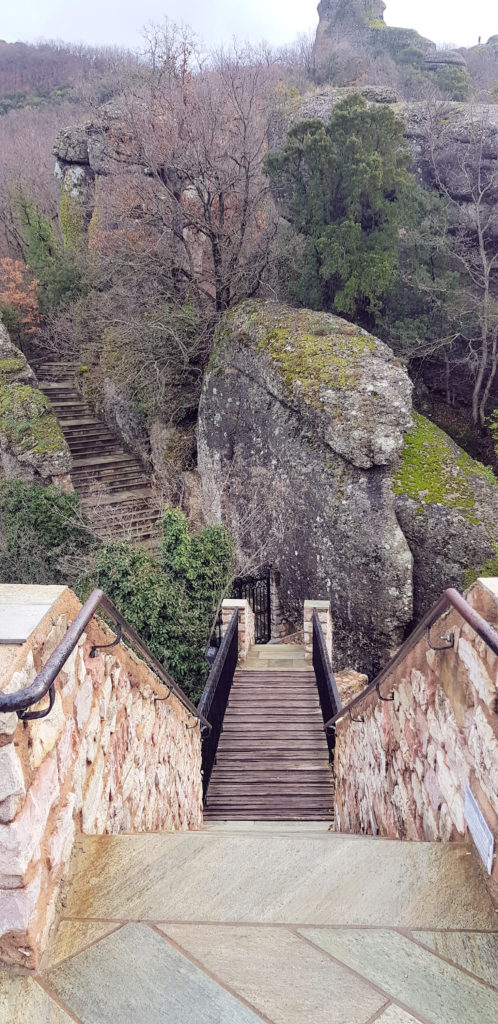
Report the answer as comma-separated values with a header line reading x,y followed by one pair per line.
x,y
113,486
246,922
272,761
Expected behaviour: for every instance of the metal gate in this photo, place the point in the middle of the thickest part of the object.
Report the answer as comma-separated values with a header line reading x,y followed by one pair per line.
x,y
256,590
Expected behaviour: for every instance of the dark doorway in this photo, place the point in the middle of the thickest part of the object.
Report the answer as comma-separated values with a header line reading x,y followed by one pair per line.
x,y
256,590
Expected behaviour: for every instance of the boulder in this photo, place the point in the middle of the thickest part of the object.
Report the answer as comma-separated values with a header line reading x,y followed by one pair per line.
x,y
301,427
32,445
308,450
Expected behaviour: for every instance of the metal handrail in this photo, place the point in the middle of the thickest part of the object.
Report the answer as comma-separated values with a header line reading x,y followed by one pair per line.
x,y
330,701
214,698
44,681
451,598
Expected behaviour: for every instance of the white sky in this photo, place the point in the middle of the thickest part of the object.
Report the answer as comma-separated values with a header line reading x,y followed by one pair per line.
x,y
119,22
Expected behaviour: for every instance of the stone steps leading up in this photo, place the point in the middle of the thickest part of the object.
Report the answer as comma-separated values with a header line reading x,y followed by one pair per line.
x,y
114,487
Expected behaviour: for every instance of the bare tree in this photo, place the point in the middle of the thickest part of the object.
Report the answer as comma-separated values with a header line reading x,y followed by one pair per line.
x,y
199,128
464,162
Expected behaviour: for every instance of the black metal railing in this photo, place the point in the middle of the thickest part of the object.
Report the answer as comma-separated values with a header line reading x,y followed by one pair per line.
x,y
451,598
214,699
330,701
45,680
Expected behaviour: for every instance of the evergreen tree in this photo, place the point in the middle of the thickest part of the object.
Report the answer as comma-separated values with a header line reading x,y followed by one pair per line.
x,y
344,185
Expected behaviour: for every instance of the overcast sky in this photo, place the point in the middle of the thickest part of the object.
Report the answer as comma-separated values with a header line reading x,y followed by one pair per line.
x,y
119,22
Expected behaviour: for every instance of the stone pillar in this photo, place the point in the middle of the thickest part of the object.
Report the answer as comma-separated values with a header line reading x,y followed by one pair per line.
x,y
323,609
246,623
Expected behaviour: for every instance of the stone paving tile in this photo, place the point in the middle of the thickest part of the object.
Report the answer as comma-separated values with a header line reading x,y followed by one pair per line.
x,y
23,1001
302,879
282,976
136,977
410,974
476,951
395,1015
71,936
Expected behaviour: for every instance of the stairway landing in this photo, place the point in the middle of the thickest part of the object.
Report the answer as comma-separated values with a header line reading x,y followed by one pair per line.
x,y
286,923
272,761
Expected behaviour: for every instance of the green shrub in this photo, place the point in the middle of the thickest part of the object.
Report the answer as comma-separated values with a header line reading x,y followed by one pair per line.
x,y
171,601
454,82
41,532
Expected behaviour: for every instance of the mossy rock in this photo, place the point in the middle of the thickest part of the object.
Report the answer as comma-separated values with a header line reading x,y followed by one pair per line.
x,y
447,507
435,471
30,433
346,384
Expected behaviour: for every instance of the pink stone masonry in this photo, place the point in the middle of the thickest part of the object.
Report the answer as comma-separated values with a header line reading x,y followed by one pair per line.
x,y
403,771
110,757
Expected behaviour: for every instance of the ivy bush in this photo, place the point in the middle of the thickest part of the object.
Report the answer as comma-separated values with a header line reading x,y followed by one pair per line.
x,y
171,601
42,532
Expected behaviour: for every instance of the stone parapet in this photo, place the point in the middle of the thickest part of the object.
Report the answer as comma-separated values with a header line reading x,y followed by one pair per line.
x,y
325,618
112,756
246,623
403,769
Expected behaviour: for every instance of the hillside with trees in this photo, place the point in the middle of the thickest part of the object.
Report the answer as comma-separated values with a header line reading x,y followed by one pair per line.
x,y
187,182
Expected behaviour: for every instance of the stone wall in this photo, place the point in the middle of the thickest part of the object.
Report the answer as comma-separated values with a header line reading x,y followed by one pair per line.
x,y
403,771
112,756
323,609
246,623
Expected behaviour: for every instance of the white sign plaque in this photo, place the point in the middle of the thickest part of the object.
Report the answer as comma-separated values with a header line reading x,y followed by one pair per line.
x,y
479,830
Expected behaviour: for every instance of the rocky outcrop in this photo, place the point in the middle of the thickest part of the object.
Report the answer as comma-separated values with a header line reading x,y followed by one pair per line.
x,y
357,27
32,445
308,450
301,425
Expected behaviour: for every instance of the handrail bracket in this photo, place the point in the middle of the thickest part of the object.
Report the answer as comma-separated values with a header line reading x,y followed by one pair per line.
x,y
442,647
95,651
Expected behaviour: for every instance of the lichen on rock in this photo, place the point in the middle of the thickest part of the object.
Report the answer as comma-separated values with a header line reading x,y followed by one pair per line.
x,y
32,445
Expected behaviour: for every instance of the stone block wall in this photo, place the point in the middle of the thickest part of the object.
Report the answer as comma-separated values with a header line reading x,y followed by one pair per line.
x,y
323,609
246,623
403,771
112,756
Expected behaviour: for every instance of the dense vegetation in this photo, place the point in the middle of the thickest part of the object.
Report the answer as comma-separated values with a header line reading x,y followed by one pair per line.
x,y
171,600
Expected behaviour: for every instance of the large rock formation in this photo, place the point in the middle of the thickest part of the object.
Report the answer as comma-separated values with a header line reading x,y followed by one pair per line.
x,y
357,28
301,425
32,445
300,444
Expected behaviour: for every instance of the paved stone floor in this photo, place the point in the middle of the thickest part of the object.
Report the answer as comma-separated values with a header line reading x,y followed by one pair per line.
x,y
278,922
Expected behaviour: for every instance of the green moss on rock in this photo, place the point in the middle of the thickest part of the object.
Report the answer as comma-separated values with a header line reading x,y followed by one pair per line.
x,y
312,350
10,367
27,421
435,471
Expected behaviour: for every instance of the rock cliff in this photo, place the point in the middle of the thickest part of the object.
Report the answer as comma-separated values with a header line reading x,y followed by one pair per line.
x,y
356,28
302,451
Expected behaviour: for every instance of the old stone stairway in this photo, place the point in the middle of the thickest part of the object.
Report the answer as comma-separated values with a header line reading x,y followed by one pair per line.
x,y
113,486
272,761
